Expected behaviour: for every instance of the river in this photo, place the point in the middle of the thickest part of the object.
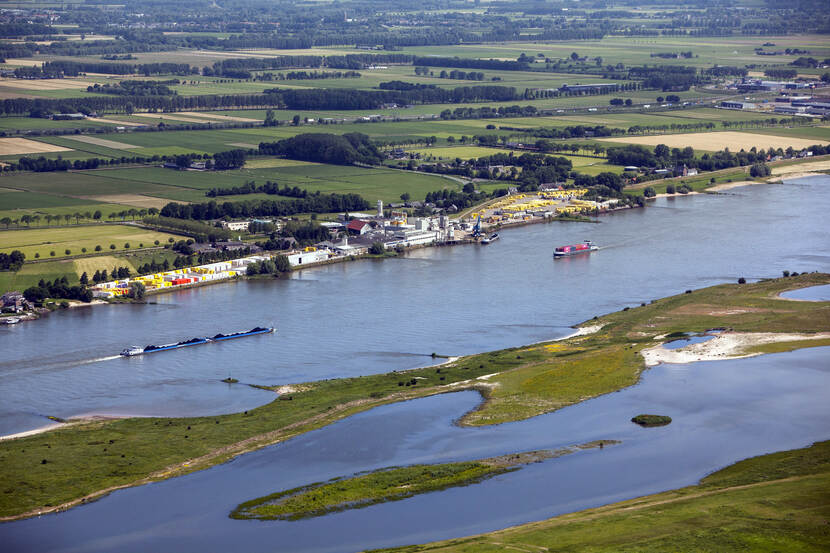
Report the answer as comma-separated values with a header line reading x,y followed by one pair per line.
x,y
372,316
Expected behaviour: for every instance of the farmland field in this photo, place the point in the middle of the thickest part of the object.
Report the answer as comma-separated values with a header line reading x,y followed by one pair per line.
x,y
716,141
12,146
58,239
140,186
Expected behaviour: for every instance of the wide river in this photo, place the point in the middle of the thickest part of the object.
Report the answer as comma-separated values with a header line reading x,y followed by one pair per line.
x,y
369,316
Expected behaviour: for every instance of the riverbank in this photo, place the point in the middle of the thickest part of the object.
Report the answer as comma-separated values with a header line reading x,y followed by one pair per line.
x,y
774,502
69,466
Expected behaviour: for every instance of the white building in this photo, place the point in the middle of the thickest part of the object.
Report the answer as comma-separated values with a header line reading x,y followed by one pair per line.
x,y
305,257
235,225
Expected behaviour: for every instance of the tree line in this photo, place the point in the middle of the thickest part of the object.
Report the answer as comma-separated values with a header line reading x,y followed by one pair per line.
x,y
251,187
346,149
314,203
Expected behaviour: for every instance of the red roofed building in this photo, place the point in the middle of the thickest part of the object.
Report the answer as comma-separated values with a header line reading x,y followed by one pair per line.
x,y
359,227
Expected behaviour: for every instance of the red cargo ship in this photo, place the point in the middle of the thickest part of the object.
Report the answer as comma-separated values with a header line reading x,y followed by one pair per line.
x,y
575,249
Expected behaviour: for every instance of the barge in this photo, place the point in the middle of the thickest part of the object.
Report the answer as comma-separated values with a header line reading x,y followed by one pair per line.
x,y
136,350
575,249
490,239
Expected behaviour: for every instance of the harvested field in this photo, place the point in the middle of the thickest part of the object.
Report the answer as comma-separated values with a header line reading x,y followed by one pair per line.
x,y
116,122
802,167
19,62
716,141
102,142
44,84
268,163
15,146
171,117
135,200
89,265
219,117
243,145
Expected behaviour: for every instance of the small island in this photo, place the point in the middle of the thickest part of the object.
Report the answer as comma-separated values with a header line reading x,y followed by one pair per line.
x,y
651,420
390,484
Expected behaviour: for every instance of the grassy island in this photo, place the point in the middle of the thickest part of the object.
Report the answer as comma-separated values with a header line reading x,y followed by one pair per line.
x,y
83,460
651,420
391,484
775,502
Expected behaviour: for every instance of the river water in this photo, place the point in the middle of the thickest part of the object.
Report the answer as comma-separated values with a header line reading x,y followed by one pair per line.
x,y
373,316
367,317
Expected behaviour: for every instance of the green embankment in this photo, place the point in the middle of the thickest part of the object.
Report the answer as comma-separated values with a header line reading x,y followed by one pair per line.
x,y
390,484
772,503
53,469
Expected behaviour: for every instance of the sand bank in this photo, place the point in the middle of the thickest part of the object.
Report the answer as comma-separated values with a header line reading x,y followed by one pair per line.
x,y
730,345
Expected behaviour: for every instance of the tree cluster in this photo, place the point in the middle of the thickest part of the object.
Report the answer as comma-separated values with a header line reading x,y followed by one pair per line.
x,y
12,261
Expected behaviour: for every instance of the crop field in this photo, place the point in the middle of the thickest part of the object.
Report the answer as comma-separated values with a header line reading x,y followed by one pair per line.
x,y
15,124
716,141
58,239
13,146
737,50
31,273
121,189
112,144
14,199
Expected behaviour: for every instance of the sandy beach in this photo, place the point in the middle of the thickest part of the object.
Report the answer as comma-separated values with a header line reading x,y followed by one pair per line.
x,y
731,185
731,345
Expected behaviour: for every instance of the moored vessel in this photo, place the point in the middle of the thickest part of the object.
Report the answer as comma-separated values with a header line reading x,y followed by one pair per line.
x,y
492,238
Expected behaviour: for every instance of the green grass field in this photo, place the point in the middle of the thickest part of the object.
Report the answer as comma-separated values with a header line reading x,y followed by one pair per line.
x,y
190,186
75,237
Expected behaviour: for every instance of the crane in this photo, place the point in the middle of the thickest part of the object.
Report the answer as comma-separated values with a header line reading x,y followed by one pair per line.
x,y
477,227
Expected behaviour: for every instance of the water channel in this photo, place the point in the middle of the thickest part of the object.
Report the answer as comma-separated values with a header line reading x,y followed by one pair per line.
x,y
366,317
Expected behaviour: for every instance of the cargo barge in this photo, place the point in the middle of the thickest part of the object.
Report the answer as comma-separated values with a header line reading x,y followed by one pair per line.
x,y
135,350
256,330
575,249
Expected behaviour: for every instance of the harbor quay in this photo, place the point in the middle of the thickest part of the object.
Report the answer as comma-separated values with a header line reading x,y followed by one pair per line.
x,y
354,234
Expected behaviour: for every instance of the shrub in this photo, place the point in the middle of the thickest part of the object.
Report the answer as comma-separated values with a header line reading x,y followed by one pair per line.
x,y
112,246
742,280
98,248
67,251
52,253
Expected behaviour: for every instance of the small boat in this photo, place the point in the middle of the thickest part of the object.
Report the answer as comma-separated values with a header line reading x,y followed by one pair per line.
x,y
11,320
490,239
575,249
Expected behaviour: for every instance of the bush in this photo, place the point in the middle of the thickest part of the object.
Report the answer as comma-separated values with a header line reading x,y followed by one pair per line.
x,y
670,189
742,280
52,253
98,248
112,246
126,245
377,248
67,251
